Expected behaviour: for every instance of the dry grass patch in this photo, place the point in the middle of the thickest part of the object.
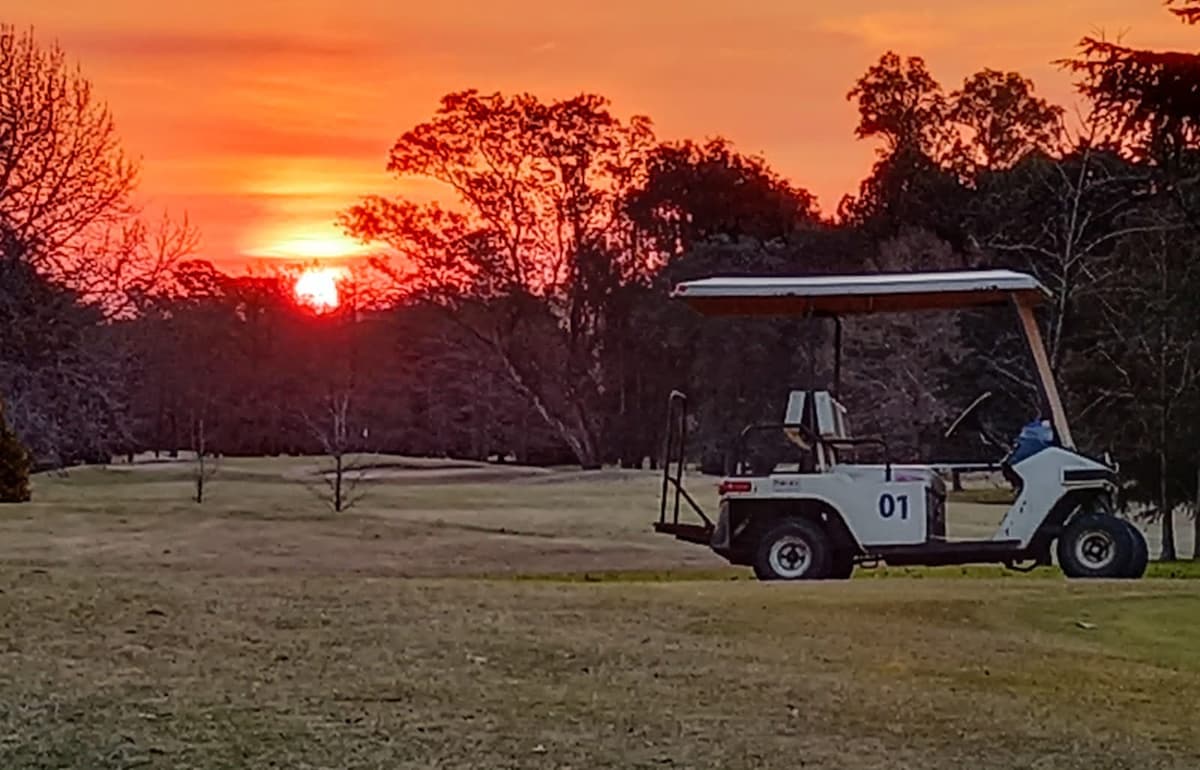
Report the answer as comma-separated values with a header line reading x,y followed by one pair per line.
x,y
184,670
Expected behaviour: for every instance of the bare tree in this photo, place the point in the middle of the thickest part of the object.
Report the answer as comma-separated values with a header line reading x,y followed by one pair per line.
x,y
896,366
332,429
1064,219
66,185
62,170
527,262
1150,374
205,467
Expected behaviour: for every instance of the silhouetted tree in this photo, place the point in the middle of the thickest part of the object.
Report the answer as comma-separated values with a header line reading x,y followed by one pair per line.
x,y
1151,352
903,107
900,103
66,186
540,241
1000,121
14,465
695,192
61,370
339,441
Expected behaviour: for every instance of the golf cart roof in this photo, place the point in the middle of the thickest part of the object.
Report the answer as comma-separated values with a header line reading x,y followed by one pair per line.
x,y
836,295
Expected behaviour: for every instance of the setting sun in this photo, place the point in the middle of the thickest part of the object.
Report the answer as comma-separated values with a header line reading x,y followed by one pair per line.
x,y
318,287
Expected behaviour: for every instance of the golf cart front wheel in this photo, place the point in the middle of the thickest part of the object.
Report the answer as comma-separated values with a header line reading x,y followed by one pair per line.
x,y
1096,546
795,549
1141,552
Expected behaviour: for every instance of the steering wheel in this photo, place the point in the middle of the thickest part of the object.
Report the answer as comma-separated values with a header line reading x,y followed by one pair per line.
x,y
970,410
988,435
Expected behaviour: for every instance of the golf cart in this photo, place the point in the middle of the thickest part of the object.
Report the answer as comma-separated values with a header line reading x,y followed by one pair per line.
x,y
822,516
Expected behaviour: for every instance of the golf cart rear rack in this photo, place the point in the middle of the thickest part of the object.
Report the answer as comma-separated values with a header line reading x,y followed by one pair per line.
x,y
674,456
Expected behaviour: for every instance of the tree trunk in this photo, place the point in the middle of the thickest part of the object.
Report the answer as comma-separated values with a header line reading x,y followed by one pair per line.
x,y
1164,504
581,444
1164,508
337,484
1196,520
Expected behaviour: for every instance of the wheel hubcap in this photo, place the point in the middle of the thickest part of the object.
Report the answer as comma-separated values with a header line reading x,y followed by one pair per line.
x,y
1095,549
790,557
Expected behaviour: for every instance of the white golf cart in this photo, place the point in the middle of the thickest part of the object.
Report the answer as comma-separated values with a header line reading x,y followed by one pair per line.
x,y
821,516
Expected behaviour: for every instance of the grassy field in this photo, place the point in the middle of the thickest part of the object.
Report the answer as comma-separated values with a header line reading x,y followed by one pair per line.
x,y
487,617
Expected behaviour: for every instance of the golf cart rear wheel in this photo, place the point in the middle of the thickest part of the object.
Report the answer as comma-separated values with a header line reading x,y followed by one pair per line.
x,y
1141,552
795,549
1096,545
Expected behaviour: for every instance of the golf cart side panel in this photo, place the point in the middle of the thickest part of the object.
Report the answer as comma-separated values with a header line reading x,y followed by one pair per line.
x,y
874,511
1044,476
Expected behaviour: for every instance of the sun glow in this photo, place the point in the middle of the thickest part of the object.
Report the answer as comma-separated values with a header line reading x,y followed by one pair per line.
x,y
304,241
317,287
313,247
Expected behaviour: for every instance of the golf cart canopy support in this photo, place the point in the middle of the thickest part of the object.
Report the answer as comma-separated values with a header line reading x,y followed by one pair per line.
x,y
833,296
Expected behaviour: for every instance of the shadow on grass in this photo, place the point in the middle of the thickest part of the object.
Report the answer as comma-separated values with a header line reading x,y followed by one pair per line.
x,y
1176,570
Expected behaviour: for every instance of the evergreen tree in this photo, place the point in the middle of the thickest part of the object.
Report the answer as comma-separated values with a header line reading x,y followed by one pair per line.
x,y
14,465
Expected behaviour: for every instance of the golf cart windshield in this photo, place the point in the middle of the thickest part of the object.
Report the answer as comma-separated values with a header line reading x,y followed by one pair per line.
x,y
834,296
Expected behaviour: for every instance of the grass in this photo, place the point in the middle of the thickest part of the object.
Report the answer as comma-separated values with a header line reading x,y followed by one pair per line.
x,y
982,496
536,623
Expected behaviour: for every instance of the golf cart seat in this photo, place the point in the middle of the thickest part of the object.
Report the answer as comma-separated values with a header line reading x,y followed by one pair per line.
x,y
830,419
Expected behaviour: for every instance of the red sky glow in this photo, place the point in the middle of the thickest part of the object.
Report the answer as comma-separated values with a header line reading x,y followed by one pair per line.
x,y
263,118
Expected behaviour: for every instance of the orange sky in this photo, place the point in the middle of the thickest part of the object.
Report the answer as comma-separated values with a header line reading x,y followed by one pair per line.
x,y
262,118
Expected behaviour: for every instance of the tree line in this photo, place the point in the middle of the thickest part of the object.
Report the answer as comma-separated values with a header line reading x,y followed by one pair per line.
x,y
524,317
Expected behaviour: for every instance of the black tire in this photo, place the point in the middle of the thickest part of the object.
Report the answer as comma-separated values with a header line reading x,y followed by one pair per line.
x,y
841,566
1141,552
796,549
1096,545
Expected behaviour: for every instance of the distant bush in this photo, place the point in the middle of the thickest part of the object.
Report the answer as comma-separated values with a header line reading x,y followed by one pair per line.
x,y
14,465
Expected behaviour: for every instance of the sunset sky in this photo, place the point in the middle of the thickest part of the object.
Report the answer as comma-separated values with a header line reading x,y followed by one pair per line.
x,y
263,118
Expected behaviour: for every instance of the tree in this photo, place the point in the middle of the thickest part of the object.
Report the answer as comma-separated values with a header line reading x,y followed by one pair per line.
x,y
1062,219
66,185
696,192
76,254
538,244
1150,101
62,372
14,465
902,104
1188,10
205,467
897,365
695,197
333,430
1003,121
62,171
1151,381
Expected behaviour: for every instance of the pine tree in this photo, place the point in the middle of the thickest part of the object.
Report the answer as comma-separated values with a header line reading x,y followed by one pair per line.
x,y
14,465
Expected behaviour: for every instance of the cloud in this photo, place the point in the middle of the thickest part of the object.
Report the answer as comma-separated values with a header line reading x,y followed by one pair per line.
x,y
891,29
209,45
259,139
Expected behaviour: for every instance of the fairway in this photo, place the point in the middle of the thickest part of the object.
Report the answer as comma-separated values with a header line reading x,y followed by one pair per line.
x,y
449,622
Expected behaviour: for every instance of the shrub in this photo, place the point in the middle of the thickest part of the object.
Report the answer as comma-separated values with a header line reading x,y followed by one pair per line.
x,y
14,465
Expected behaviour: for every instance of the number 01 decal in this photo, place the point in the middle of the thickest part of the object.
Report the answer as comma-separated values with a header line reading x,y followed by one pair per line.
x,y
889,504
